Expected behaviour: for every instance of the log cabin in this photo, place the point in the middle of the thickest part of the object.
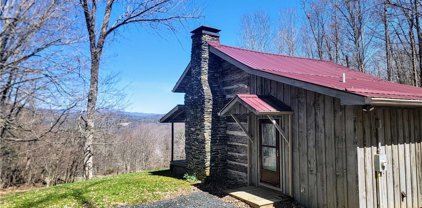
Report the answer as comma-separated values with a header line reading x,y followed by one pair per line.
x,y
322,133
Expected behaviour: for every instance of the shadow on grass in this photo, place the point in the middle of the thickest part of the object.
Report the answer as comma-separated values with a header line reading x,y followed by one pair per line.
x,y
213,187
165,172
73,193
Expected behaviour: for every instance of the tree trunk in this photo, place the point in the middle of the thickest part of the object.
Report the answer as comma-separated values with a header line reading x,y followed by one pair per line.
x,y
419,34
140,12
1,163
387,43
89,137
413,51
91,107
412,42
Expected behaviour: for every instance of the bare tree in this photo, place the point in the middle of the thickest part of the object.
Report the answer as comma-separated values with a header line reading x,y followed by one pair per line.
x,y
404,31
354,13
387,41
415,4
315,12
256,32
382,37
407,27
287,33
410,19
334,39
417,12
148,13
34,71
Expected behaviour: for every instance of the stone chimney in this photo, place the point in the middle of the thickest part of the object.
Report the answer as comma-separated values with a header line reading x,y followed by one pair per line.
x,y
199,104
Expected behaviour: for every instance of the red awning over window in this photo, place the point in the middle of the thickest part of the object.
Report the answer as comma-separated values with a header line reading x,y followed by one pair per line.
x,y
259,105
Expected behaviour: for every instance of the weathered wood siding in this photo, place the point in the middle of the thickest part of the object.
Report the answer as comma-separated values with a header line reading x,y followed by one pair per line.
x,y
332,146
235,81
398,131
324,145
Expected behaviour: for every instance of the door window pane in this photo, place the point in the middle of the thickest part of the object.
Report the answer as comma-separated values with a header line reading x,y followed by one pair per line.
x,y
268,134
269,161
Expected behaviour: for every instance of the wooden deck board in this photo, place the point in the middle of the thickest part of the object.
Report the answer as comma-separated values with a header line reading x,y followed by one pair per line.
x,y
256,197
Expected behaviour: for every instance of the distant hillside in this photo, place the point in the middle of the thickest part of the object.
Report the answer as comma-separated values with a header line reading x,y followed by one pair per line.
x,y
139,117
122,116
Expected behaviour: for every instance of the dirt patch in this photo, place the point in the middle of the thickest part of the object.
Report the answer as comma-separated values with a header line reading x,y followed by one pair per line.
x,y
19,189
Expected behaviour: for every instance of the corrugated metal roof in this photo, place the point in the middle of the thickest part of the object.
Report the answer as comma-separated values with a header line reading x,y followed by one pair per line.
x,y
258,104
262,104
322,73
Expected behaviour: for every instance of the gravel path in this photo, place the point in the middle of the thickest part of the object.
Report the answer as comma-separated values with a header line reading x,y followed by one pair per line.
x,y
194,200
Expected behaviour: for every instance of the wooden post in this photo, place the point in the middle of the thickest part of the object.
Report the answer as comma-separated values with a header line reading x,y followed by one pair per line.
x,y
290,157
172,141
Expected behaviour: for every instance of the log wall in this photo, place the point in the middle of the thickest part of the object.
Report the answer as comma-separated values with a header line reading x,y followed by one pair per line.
x,y
333,147
235,81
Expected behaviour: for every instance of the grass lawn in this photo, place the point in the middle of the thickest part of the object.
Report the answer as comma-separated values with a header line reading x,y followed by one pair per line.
x,y
133,188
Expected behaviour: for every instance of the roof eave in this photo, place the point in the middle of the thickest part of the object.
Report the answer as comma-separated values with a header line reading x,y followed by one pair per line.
x,y
168,115
393,102
225,110
177,87
274,113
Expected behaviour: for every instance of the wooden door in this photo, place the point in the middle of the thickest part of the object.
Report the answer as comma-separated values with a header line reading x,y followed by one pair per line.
x,y
269,146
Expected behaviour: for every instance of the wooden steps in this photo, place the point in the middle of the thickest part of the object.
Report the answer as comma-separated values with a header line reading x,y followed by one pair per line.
x,y
256,197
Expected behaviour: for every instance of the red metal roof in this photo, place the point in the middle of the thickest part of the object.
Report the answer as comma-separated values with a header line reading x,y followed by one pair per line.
x,y
258,104
322,73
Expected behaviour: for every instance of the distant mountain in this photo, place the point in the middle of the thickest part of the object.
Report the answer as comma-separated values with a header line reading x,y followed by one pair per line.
x,y
125,117
141,115
136,116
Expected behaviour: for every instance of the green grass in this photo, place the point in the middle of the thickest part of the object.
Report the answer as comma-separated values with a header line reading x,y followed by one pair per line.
x,y
133,188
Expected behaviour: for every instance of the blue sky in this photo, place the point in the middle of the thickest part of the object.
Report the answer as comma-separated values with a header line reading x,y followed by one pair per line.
x,y
150,62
